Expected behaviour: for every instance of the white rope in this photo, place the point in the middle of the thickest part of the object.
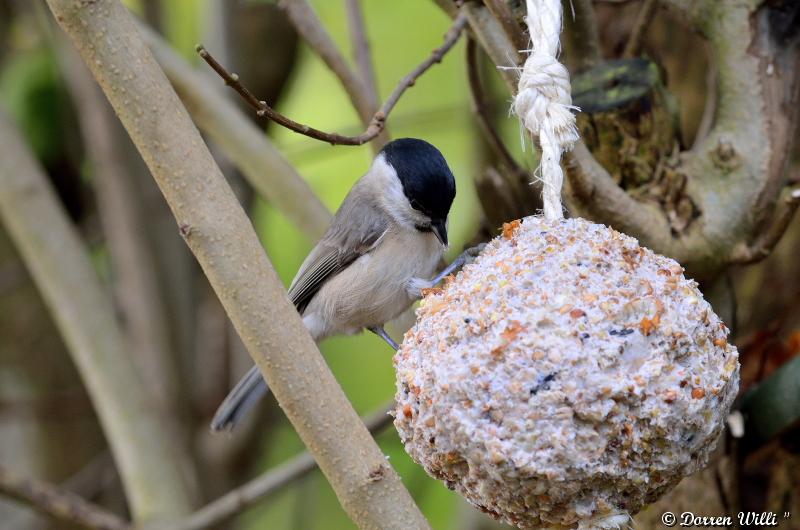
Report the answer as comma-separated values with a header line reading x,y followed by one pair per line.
x,y
543,102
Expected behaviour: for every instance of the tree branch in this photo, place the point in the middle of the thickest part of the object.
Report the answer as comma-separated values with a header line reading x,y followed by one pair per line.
x,y
220,235
64,505
240,499
643,19
136,289
762,247
58,503
732,166
481,110
378,121
361,50
494,40
264,167
60,265
581,35
603,199
308,25
502,13
360,89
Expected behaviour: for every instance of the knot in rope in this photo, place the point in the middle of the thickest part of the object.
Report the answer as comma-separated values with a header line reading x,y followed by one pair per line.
x,y
544,102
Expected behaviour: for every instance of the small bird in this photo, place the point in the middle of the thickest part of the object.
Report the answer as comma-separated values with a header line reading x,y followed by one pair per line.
x,y
381,249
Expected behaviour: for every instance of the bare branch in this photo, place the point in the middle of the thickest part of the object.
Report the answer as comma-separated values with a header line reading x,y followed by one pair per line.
x,y
643,19
222,238
762,247
482,112
378,121
600,196
240,499
710,108
495,42
264,167
581,36
361,50
309,26
61,268
58,503
500,11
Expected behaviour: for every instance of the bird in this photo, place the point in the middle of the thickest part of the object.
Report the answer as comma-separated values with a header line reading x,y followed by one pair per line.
x,y
379,253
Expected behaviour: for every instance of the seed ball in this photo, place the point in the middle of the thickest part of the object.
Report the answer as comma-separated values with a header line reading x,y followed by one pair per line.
x,y
564,379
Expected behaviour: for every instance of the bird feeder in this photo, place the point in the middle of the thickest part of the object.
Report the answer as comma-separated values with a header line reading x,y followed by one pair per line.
x,y
564,379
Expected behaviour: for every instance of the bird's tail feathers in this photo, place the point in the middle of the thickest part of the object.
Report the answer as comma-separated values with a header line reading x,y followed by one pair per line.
x,y
247,392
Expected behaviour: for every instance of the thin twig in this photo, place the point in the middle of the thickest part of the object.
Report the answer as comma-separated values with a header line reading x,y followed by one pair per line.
x,y
99,474
58,503
643,19
240,499
361,50
366,70
500,10
308,25
261,163
378,121
482,111
761,248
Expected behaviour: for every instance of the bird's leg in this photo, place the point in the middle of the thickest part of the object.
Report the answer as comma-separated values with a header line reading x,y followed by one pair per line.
x,y
416,285
465,257
379,331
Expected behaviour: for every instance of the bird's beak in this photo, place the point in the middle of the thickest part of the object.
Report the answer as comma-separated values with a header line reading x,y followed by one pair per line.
x,y
440,229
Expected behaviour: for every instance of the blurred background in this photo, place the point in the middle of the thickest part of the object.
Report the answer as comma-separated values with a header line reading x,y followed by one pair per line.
x,y
184,346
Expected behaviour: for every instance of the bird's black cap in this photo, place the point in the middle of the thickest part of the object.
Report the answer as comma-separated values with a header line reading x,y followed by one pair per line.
x,y
427,181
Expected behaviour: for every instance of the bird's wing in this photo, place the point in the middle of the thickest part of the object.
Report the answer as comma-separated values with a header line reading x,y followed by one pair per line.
x,y
341,245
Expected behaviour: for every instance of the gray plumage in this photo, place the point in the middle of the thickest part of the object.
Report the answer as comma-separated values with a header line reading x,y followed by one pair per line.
x,y
365,271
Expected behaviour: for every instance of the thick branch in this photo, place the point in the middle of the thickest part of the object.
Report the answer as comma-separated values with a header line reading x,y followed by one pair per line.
x,y
378,120
219,233
600,196
58,503
264,167
60,265
500,11
243,497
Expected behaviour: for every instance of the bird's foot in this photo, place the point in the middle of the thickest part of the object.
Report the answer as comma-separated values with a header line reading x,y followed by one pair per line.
x,y
416,285
379,331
